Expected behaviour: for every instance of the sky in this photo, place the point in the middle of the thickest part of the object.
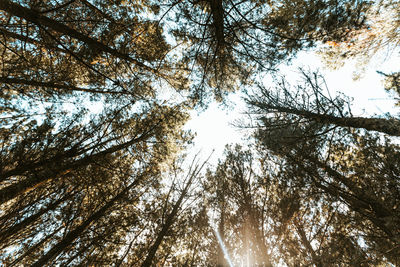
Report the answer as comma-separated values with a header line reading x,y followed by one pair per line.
x,y
215,128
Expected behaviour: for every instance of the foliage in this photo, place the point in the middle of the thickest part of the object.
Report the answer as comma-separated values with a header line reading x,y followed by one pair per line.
x,y
227,42
93,102
378,35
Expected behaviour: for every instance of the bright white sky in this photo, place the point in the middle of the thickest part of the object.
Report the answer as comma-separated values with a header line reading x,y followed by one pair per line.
x,y
214,126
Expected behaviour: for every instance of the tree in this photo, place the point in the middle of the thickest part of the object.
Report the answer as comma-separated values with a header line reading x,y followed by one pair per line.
x,y
226,42
193,172
392,83
78,222
241,204
327,164
379,34
330,164
272,214
74,43
313,103
125,55
41,171
85,172
107,187
74,234
62,173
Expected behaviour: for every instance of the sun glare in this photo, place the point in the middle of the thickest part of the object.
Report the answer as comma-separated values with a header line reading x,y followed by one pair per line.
x,y
222,245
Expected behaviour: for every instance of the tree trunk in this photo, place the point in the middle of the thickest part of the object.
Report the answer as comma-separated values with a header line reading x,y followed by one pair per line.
x,y
29,40
60,168
35,247
40,20
387,126
316,260
5,234
170,220
74,234
356,199
218,21
58,86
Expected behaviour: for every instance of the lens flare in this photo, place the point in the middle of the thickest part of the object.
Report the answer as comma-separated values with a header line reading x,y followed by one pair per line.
x,y
221,244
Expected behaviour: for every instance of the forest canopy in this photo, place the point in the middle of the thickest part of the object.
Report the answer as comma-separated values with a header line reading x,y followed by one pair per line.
x,y
94,161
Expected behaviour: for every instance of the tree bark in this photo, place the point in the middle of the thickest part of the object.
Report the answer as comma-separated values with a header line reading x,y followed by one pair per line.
x,y
387,126
218,21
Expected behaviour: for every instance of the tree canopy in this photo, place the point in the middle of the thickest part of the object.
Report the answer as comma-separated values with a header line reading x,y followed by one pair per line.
x,y
94,166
